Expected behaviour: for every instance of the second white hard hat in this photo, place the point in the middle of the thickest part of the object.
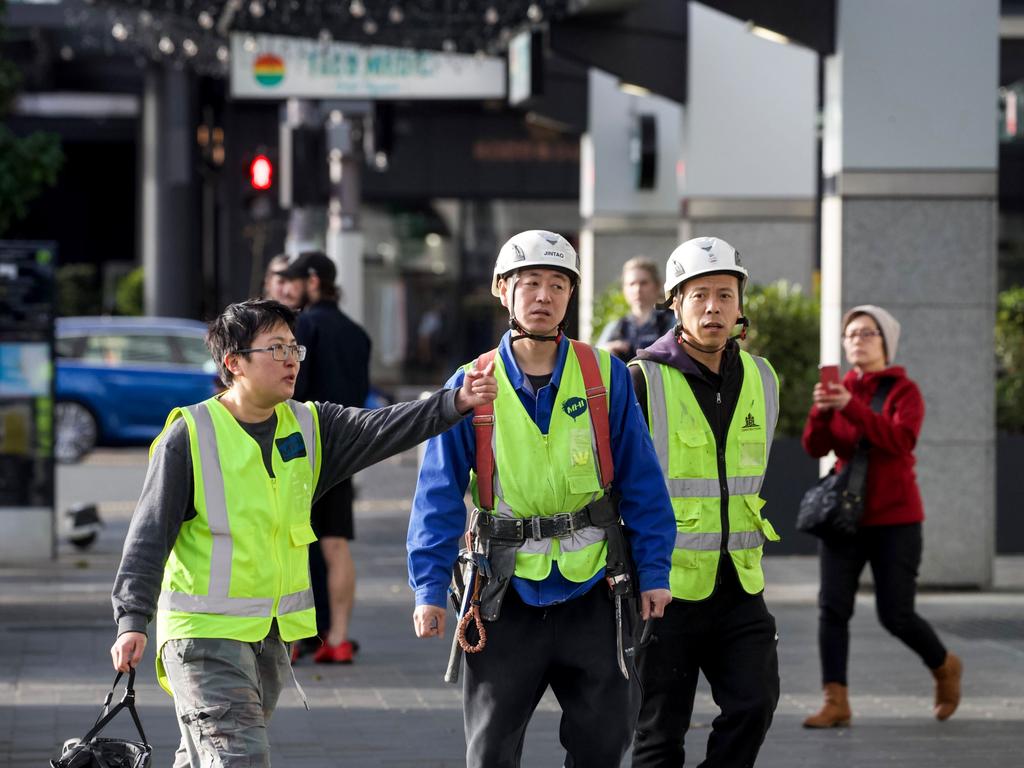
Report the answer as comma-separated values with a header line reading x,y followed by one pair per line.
x,y
701,256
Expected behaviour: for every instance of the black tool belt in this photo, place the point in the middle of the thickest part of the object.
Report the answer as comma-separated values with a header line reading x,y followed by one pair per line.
x,y
516,530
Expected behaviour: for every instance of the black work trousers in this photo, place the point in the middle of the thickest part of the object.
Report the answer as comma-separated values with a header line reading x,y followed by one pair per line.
x,y
894,552
731,638
570,647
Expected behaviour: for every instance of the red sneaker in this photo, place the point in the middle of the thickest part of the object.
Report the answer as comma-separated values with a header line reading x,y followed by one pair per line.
x,y
341,653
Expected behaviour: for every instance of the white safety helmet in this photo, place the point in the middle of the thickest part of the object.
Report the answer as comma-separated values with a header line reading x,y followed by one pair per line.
x,y
536,248
699,257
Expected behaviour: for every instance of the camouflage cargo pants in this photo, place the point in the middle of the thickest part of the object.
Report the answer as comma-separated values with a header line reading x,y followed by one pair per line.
x,y
224,694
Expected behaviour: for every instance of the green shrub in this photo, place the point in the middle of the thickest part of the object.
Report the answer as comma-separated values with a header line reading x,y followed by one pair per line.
x,y
609,305
78,291
784,327
128,293
1010,360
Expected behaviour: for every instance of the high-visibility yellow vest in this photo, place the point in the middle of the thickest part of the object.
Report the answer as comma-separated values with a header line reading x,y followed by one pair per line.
x,y
685,444
242,561
538,475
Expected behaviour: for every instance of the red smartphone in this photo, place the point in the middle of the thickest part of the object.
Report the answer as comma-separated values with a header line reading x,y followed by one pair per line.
x,y
829,374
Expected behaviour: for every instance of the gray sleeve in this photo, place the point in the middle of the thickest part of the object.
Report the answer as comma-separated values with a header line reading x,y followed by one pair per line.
x,y
165,502
355,438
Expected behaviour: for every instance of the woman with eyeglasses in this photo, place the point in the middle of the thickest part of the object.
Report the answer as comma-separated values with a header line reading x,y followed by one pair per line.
x,y
889,537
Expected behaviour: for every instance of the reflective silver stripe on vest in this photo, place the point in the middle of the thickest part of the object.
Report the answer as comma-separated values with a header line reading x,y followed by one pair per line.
x,y
702,488
712,542
657,412
216,506
252,607
582,539
771,401
305,418
301,601
295,602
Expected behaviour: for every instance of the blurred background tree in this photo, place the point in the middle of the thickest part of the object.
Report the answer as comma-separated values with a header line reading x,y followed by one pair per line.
x,y
28,164
128,294
1010,360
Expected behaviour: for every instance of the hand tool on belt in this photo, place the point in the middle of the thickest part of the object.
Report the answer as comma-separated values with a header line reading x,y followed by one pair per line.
x,y
472,571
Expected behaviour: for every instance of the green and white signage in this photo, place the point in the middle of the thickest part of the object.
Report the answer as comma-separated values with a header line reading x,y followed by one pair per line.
x,y
273,66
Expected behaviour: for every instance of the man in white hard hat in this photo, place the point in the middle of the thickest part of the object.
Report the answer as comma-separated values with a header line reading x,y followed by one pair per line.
x,y
712,410
561,458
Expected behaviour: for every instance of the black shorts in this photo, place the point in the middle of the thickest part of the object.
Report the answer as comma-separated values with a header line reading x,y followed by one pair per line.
x,y
332,513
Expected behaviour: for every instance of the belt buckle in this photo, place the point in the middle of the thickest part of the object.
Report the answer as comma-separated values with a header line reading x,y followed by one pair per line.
x,y
570,518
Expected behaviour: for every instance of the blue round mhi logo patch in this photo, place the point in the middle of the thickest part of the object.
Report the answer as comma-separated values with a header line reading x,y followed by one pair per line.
x,y
575,407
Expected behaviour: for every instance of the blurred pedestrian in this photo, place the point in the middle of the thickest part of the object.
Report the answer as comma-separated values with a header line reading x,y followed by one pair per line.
x,y
562,454
645,323
338,371
217,547
274,285
712,410
889,537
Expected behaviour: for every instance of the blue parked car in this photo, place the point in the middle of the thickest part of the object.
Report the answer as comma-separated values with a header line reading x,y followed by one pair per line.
x,y
119,377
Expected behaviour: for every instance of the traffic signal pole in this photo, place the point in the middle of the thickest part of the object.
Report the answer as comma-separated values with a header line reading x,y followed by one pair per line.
x,y
305,219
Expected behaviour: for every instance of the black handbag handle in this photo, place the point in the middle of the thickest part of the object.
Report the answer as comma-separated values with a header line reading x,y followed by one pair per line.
x,y
859,463
127,702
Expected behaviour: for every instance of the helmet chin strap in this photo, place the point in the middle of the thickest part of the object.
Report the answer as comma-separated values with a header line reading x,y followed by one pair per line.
x,y
517,328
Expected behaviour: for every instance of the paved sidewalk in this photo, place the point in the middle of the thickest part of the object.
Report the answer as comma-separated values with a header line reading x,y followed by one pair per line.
x,y
391,708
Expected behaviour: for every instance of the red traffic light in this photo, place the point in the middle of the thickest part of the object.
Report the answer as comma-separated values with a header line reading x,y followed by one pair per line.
x,y
261,172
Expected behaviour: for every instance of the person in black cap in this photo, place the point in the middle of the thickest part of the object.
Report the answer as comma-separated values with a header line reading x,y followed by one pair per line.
x,y
336,370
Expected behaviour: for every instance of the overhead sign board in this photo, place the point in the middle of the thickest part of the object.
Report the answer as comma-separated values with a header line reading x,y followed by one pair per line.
x,y
278,67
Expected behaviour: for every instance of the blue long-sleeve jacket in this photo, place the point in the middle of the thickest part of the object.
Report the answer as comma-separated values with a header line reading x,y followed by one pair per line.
x,y
438,519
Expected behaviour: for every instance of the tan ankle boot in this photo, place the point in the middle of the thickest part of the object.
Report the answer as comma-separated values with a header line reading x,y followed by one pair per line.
x,y
836,710
947,686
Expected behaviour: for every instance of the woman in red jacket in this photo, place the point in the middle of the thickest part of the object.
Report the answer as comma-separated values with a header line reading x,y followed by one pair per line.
x,y
890,531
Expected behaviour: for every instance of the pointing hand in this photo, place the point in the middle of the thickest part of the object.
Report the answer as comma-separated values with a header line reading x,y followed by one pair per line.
x,y
478,388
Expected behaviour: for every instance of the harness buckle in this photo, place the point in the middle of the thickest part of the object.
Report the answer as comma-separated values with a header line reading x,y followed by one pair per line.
x,y
483,420
565,520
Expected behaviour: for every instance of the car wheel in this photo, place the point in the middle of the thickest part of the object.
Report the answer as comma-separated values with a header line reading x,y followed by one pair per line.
x,y
75,432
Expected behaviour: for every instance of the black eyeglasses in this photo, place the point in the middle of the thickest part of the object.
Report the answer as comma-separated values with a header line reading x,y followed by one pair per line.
x,y
280,352
866,335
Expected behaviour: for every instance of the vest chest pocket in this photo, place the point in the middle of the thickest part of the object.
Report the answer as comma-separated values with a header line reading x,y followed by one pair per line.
x,y
687,455
752,458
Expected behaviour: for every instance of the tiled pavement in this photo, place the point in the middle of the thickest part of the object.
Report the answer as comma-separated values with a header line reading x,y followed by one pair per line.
x,y
391,708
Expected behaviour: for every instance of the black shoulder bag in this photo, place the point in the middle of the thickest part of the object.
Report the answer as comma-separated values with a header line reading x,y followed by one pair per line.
x,y
91,751
832,507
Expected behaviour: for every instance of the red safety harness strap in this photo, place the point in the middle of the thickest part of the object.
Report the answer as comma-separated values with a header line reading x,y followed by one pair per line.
x,y
483,428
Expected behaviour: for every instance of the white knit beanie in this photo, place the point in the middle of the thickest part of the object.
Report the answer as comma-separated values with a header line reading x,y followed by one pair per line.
x,y
887,324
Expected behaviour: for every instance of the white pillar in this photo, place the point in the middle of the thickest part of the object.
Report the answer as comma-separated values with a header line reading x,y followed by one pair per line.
x,y
910,224
750,154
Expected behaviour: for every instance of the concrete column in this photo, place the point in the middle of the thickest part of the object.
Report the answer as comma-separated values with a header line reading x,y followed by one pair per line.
x,y
749,160
170,249
619,220
909,223
344,236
